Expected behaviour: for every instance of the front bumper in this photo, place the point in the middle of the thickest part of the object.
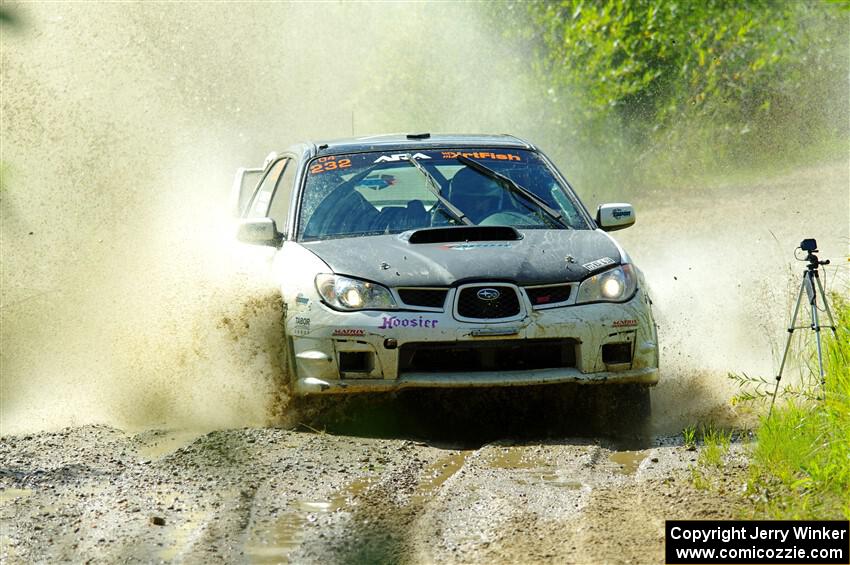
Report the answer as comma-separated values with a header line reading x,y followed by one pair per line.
x,y
351,352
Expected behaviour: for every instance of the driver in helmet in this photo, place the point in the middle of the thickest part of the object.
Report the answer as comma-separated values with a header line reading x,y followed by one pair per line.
x,y
477,196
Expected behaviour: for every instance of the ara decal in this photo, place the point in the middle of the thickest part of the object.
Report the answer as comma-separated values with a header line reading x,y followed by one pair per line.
x,y
399,157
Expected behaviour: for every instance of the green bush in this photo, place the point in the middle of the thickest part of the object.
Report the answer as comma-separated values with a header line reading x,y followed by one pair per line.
x,y
667,88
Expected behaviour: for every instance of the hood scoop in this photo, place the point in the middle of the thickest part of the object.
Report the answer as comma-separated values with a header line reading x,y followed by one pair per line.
x,y
462,233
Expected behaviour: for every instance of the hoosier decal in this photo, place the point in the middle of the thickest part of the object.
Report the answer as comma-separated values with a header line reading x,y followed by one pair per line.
x,y
396,322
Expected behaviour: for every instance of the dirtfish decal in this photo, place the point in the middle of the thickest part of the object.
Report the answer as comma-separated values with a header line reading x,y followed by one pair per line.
x,y
482,155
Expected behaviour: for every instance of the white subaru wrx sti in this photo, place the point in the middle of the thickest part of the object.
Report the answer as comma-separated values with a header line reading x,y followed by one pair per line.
x,y
445,261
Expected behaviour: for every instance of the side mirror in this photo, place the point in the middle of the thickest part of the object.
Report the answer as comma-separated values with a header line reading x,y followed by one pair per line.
x,y
258,231
613,217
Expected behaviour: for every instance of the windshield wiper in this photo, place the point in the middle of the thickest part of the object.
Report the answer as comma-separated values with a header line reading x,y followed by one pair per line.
x,y
434,187
511,184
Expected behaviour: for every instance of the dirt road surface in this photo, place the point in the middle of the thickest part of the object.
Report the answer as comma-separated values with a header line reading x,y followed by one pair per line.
x,y
351,495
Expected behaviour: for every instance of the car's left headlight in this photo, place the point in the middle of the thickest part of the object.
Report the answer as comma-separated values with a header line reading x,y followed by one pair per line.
x,y
614,285
345,293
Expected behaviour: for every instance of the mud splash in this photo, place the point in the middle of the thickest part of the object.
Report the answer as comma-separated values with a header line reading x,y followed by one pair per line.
x,y
123,298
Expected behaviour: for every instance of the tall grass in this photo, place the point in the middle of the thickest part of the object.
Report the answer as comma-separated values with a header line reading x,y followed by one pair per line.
x,y
801,462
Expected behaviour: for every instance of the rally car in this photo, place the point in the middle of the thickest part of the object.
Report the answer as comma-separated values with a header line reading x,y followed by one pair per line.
x,y
444,261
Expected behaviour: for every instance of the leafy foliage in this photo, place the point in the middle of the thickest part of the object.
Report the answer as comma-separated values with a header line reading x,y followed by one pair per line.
x,y
716,80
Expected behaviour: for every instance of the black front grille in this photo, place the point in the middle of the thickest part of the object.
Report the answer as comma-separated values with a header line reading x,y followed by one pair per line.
x,y
427,297
482,302
542,295
491,355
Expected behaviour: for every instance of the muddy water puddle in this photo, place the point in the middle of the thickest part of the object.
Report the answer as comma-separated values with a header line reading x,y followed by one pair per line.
x,y
160,444
628,461
437,474
275,540
11,494
531,467
184,535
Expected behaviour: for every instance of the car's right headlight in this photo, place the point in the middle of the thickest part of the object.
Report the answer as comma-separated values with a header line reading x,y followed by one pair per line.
x,y
345,293
614,285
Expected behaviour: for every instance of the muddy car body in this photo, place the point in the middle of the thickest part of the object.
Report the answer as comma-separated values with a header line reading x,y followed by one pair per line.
x,y
423,261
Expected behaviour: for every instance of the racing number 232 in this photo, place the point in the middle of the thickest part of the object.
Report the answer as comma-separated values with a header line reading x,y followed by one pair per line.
x,y
329,164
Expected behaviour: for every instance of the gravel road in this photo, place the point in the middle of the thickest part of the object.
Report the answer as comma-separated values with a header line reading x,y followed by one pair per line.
x,y
353,494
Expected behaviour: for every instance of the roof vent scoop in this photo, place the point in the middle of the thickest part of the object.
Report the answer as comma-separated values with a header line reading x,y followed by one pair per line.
x,y
462,233
418,135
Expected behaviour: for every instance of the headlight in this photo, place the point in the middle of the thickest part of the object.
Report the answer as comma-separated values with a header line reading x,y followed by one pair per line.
x,y
352,294
614,285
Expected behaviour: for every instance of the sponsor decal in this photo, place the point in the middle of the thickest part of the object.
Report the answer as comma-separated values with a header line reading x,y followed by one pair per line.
x,y
621,213
483,155
593,265
302,326
302,300
399,157
467,246
329,163
488,294
349,332
624,323
377,183
389,322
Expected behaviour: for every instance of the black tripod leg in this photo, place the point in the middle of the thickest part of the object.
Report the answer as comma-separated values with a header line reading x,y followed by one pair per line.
x,y
813,303
788,343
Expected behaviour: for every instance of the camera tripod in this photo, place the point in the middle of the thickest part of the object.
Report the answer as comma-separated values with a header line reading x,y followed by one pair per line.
x,y
812,285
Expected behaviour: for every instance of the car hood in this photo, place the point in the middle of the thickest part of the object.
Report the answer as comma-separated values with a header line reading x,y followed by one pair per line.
x,y
538,257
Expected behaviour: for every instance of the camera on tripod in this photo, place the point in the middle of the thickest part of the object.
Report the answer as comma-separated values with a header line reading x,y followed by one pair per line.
x,y
810,246
811,286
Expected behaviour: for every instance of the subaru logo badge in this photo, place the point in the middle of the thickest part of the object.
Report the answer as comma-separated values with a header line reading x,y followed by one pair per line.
x,y
489,294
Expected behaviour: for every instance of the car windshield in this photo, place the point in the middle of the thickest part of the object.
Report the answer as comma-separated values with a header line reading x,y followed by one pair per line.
x,y
383,192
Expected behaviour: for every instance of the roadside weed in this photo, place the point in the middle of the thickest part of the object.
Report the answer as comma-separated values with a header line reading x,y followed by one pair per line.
x,y
716,444
801,462
689,437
